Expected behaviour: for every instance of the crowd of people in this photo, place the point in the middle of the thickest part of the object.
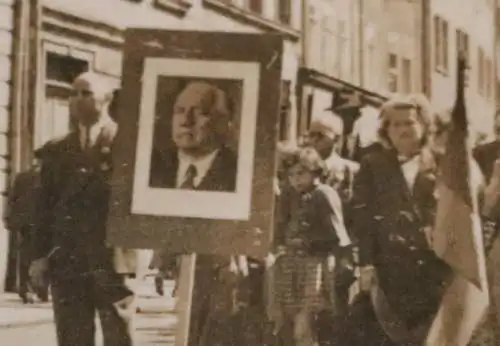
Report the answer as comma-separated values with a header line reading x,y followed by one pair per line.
x,y
351,261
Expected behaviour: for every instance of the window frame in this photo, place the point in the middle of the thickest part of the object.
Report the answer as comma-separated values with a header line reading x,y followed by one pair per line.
x,y
393,74
284,18
406,80
441,45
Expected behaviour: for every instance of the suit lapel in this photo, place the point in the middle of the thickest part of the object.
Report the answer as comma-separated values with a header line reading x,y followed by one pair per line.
x,y
398,176
75,166
426,177
212,176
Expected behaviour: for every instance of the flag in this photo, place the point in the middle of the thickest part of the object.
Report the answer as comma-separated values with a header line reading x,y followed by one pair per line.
x,y
457,237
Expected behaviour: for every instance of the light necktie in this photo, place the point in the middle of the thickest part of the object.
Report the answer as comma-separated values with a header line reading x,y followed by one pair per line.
x,y
87,142
188,183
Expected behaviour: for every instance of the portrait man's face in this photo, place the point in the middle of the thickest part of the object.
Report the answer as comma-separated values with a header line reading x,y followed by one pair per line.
x,y
200,119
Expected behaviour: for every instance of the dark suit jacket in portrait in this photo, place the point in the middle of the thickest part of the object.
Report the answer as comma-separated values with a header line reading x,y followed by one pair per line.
x,y
221,176
388,222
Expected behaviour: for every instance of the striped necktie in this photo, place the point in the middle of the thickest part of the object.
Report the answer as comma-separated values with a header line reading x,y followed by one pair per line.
x,y
188,183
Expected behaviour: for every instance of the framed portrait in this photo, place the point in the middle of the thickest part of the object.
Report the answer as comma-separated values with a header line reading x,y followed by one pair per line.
x,y
194,158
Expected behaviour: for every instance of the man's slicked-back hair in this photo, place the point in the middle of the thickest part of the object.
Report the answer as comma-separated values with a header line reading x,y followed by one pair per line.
x,y
222,103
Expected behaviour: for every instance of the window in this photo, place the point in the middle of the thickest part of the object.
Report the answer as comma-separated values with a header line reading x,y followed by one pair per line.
x,y
488,72
441,44
480,71
60,70
406,76
392,82
285,11
63,69
463,44
342,48
255,5
325,46
285,108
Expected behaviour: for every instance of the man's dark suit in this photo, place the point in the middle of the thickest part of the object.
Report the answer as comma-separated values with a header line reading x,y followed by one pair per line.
x,y
388,223
221,176
72,210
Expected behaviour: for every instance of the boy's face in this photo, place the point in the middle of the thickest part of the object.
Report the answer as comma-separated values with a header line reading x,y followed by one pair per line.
x,y
300,178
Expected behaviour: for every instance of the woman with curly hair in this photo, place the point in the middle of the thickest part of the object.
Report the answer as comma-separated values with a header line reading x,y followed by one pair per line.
x,y
394,202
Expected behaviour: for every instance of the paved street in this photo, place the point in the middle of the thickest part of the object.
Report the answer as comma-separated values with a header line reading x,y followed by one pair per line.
x,y
32,326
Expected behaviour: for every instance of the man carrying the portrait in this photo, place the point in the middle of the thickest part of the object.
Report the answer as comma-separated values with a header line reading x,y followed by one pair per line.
x,y
70,239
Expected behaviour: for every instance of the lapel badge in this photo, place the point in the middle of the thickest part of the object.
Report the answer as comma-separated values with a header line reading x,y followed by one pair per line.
x,y
105,150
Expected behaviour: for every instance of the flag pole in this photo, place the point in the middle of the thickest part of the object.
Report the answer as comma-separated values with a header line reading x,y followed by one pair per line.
x,y
457,234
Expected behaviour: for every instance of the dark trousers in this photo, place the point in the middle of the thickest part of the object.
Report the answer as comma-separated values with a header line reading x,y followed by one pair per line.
x,y
24,252
360,326
76,302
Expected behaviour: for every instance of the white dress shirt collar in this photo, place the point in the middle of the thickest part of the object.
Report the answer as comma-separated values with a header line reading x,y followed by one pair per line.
x,y
202,165
95,130
410,170
104,125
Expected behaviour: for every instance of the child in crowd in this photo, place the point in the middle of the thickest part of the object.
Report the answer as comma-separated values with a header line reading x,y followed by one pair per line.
x,y
310,231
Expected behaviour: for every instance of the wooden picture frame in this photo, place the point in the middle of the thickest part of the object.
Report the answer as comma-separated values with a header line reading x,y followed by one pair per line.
x,y
247,68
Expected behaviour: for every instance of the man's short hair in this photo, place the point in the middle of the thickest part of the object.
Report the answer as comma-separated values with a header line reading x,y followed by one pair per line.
x,y
99,85
328,124
307,157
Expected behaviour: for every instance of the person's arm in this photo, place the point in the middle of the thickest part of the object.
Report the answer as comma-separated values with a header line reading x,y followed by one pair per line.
x,y
42,236
363,227
12,200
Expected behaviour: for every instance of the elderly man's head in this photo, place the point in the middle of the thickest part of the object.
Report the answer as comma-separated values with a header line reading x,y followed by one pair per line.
x,y
324,132
90,94
201,120
405,123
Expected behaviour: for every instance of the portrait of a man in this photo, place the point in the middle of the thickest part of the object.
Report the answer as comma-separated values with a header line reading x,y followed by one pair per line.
x,y
192,148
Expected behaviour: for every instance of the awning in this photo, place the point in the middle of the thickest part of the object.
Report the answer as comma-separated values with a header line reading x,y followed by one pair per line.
x,y
344,94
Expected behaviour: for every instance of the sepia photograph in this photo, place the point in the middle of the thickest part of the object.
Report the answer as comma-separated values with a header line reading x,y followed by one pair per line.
x,y
250,172
190,147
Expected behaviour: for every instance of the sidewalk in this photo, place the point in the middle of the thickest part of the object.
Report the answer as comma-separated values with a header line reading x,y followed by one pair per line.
x,y
13,313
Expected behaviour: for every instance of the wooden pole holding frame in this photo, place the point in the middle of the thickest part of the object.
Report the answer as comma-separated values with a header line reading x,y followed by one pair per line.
x,y
184,299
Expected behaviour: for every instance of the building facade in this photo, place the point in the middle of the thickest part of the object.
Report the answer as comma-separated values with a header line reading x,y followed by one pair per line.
x,y
342,55
88,35
469,28
63,38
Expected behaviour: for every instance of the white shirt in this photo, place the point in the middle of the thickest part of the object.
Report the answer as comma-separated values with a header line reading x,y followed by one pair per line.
x,y
410,171
202,165
95,131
